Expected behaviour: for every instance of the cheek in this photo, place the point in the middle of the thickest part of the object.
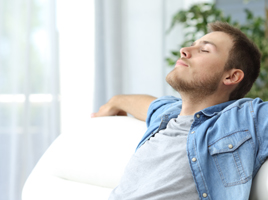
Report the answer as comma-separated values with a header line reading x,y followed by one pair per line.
x,y
205,72
213,66
219,63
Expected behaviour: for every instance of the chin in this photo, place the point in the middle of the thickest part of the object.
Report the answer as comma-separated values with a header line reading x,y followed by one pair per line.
x,y
172,80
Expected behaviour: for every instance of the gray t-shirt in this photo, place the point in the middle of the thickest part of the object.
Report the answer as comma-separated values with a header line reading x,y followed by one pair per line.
x,y
160,170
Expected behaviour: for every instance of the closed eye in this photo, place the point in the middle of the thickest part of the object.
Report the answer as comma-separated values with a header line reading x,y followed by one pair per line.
x,y
204,51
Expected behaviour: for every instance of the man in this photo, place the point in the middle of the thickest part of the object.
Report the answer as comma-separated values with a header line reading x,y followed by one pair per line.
x,y
210,143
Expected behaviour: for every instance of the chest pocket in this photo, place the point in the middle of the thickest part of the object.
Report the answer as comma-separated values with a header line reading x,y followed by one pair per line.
x,y
233,156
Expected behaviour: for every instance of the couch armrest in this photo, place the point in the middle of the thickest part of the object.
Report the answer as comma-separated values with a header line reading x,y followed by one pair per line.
x,y
259,189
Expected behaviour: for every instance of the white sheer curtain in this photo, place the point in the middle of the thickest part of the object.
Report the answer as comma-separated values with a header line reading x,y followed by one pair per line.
x,y
108,50
29,95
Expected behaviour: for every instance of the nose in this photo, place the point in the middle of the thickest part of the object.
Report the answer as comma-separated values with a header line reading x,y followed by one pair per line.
x,y
185,53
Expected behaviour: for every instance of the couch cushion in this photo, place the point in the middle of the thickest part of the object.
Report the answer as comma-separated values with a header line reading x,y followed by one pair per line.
x,y
54,188
96,158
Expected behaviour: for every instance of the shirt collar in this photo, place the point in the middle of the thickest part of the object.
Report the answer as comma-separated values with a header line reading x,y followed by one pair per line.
x,y
213,110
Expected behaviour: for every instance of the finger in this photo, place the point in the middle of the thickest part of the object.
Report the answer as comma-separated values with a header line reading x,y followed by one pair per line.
x,y
100,114
97,114
122,113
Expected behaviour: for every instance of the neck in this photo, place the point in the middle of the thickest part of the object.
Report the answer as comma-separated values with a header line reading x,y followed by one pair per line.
x,y
193,104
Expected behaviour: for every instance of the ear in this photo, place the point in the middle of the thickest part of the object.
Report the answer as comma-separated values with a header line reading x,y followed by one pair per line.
x,y
233,77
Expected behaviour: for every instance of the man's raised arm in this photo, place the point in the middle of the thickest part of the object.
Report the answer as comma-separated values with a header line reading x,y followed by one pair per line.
x,y
136,105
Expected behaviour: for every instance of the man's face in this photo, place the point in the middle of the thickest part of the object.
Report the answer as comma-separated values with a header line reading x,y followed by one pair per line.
x,y
201,67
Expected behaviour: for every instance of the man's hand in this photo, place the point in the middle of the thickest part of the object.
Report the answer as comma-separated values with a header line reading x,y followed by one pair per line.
x,y
136,105
110,109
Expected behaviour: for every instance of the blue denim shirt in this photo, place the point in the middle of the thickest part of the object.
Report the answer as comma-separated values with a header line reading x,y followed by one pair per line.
x,y
226,145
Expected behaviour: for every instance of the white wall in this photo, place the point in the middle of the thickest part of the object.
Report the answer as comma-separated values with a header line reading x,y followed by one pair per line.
x,y
142,47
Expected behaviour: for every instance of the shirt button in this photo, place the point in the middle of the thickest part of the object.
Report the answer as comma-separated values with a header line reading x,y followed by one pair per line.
x,y
205,195
198,116
192,132
193,159
230,146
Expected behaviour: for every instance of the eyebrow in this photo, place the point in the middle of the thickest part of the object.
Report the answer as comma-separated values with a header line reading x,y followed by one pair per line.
x,y
205,42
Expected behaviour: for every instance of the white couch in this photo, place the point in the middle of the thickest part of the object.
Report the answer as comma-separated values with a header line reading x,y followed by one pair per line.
x,y
86,166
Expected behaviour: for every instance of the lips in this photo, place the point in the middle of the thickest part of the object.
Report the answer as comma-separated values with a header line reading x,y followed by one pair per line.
x,y
180,62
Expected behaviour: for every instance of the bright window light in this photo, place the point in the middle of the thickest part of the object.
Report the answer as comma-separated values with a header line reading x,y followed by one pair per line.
x,y
12,98
76,25
40,98
21,98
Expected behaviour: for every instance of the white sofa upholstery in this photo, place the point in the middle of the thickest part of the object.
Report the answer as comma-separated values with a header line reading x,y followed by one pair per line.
x,y
86,166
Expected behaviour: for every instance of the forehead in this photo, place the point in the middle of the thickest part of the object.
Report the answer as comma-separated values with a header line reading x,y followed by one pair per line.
x,y
222,40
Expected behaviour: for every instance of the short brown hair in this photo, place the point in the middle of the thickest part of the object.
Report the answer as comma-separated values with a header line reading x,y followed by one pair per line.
x,y
244,55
